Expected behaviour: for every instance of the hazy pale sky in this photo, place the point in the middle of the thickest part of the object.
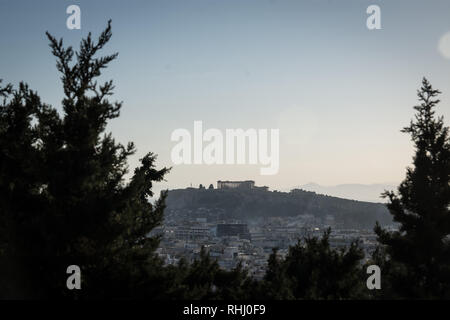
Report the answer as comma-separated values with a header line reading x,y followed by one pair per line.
x,y
338,92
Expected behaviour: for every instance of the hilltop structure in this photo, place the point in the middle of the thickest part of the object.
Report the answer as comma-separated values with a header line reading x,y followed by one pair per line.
x,y
247,184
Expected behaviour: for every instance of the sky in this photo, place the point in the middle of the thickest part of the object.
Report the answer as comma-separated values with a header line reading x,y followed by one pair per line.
x,y
338,92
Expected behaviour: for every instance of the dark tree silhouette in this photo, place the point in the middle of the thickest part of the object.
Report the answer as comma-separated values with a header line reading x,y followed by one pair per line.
x,y
415,260
64,199
204,279
63,195
314,270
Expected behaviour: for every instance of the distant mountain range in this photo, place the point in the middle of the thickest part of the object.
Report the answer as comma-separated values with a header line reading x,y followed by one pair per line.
x,y
361,192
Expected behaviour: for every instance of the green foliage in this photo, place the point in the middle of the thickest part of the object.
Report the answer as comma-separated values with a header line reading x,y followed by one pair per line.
x,y
313,270
416,258
64,198
205,280
250,204
63,195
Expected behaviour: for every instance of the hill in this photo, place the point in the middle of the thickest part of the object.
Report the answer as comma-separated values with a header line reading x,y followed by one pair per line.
x,y
251,204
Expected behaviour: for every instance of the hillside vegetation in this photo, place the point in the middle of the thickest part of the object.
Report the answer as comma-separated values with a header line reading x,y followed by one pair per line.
x,y
250,204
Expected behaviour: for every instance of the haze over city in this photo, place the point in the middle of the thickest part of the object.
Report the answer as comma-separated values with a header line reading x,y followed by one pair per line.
x,y
338,92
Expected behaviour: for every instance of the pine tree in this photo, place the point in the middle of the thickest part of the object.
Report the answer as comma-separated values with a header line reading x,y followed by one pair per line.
x,y
276,283
314,270
417,256
64,199
205,280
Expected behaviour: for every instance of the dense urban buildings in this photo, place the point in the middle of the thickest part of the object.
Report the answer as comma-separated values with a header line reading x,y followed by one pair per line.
x,y
244,240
